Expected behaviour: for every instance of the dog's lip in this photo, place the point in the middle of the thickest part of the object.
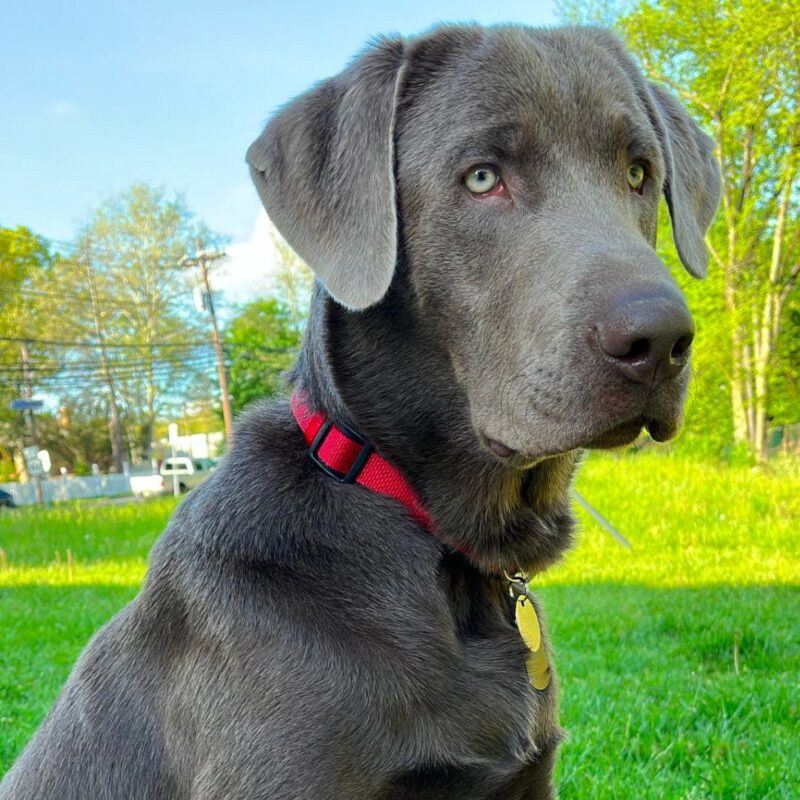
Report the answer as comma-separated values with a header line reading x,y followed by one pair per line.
x,y
661,429
499,449
508,455
621,434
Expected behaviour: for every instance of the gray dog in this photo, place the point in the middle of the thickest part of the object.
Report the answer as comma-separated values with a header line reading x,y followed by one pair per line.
x,y
479,206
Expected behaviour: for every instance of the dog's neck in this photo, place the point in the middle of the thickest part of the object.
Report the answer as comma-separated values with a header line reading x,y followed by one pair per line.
x,y
380,372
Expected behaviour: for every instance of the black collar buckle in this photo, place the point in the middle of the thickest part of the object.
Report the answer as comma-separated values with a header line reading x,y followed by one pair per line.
x,y
358,464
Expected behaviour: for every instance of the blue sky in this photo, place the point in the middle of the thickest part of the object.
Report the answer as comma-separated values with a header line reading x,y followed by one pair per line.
x,y
98,95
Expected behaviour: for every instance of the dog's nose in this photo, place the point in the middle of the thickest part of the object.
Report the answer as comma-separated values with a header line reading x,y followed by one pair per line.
x,y
647,333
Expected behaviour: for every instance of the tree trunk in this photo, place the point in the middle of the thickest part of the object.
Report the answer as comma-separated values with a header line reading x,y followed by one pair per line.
x,y
151,414
740,433
746,361
738,391
114,423
763,328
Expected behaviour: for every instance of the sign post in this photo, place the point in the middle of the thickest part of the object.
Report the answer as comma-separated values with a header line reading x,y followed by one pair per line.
x,y
26,405
173,441
36,469
33,464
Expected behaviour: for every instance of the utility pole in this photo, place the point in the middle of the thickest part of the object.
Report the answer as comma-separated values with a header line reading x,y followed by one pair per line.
x,y
202,259
30,421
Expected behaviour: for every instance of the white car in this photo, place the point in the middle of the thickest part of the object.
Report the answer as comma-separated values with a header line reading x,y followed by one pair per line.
x,y
190,472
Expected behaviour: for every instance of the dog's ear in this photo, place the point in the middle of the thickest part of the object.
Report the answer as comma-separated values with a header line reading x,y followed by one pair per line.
x,y
324,170
692,181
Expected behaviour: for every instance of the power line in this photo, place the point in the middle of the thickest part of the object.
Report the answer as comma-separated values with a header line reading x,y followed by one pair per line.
x,y
55,371
145,345
237,350
161,371
125,345
99,381
75,298
73,247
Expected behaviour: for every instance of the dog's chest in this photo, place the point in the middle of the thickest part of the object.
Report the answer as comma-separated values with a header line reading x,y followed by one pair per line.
x,y
512,695
487,724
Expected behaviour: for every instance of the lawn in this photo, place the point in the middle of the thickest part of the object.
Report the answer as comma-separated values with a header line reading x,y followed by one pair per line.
x,y
679,659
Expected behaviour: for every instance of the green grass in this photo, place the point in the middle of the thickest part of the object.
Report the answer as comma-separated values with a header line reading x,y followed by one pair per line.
x,y
49,608
644,638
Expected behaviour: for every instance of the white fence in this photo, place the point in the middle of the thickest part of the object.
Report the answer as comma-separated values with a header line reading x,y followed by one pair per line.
x,y
56,489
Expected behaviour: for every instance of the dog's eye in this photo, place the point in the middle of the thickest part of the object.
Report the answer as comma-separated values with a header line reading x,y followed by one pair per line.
x,y
636,175
481,180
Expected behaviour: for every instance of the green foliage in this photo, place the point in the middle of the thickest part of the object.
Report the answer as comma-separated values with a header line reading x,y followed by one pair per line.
x,y
8,471
75,441
81,467
785,378
122,284
707,425
26,266
262,342
22,254
293,284
131,250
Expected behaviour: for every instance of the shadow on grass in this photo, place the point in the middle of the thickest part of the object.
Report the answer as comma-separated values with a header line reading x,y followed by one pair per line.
x,y
687,692
651,697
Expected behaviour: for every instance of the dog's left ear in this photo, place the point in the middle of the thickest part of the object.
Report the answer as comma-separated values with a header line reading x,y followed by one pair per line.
x,y
692,182
324,169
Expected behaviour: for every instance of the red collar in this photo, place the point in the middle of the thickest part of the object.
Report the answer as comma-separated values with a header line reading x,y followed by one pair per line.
x,y
348,457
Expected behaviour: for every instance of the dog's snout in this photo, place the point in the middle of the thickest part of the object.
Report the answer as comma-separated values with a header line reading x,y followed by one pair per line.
x,y
647,334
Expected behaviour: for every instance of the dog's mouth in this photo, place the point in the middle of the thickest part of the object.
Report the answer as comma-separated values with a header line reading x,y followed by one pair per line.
x,y
622,434
660,430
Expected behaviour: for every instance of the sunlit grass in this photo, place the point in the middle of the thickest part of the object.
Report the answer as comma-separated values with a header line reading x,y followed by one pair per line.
x,y
128,572
690,523
678,658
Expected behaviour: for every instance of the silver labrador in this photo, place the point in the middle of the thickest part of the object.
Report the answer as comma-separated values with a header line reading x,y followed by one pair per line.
x,y
479,206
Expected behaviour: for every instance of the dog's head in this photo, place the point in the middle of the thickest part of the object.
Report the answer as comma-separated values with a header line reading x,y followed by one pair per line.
x,y
518,172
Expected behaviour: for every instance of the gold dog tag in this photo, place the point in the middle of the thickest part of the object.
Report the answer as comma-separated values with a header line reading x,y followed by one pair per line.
x,y
538,670
531,632
528,624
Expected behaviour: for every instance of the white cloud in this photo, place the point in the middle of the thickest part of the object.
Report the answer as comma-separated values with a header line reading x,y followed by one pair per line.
x,y
63,109
249,271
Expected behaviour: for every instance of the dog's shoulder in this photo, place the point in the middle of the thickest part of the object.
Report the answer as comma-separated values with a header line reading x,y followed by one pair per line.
x,y
270,533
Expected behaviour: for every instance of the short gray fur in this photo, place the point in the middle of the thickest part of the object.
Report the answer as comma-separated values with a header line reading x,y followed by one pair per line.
x,y
300,638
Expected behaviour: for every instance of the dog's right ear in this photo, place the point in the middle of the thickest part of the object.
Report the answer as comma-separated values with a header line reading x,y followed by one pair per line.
x,y
324,169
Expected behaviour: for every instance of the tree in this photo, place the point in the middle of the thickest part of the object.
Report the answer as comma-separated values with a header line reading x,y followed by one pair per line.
x,y
26,266
133,303
736,64
260,342
597,12
110,328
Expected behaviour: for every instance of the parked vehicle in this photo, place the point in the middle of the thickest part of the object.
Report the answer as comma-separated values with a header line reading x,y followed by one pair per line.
x,y
6,500
148,485
190,472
